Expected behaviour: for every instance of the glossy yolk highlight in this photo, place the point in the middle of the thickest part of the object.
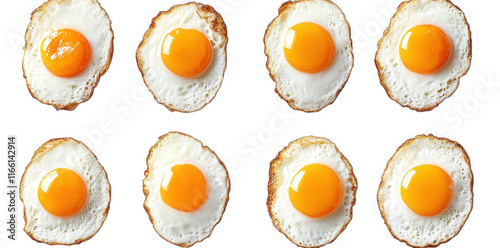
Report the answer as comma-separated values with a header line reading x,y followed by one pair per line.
x,y
65,53
316,190
184,188
186,52
427,190
62,192
309,47
425,49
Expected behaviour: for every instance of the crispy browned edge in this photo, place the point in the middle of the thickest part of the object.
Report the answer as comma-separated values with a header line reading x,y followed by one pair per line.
x,y
379,67
71,106
273,176
291,103
218,25
41,151
146,192
406,143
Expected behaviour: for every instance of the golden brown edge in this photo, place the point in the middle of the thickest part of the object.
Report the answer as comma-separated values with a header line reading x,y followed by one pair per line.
x,y
291,102
146,192
379,67
404,145
41,151
271,186
218,25
72,105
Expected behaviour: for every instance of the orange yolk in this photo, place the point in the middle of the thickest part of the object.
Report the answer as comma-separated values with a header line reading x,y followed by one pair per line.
x,y
186,52
427,190
62,192
65,53
309,47
184,188
316,190
425,49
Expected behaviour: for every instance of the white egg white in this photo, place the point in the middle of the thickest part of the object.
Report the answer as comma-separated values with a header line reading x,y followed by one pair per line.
x,y
309,92
403,223
418,91
185,228
175,92
84,16
70,154
302,230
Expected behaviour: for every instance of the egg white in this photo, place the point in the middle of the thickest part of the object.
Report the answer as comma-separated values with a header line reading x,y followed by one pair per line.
x,y
45,227
179,93
404,224
185,228
302,230
84,16
418,91
309,91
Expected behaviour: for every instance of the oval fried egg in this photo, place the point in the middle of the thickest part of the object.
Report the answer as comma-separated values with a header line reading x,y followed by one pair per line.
x,y
311,192
426,195
66,193
182,56
424,53
69,45
186,188
309,53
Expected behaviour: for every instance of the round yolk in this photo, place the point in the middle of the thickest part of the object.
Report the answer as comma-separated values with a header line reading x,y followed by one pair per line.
x,y
309,47
186,52
62,192
184,188
427,190
316,190
65,53
425,49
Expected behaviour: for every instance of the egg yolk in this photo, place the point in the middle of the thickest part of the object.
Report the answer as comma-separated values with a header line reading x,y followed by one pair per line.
x,y
427,190
309,47
316,190
184,188
65,53
425,49
62,192
186,52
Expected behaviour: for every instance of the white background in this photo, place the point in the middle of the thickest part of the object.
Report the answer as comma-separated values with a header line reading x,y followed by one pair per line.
x,y
364,123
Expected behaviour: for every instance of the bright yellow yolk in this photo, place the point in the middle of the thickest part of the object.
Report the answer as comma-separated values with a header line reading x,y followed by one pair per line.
x,y
425,49
184,188
65,53
309,47
316,190
186,52
427,190
62,192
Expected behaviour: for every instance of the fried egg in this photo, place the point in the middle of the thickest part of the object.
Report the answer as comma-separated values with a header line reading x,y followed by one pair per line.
x,y
309,53
182,56
312,190
425,195
424,53
69,45
66,193
186,188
